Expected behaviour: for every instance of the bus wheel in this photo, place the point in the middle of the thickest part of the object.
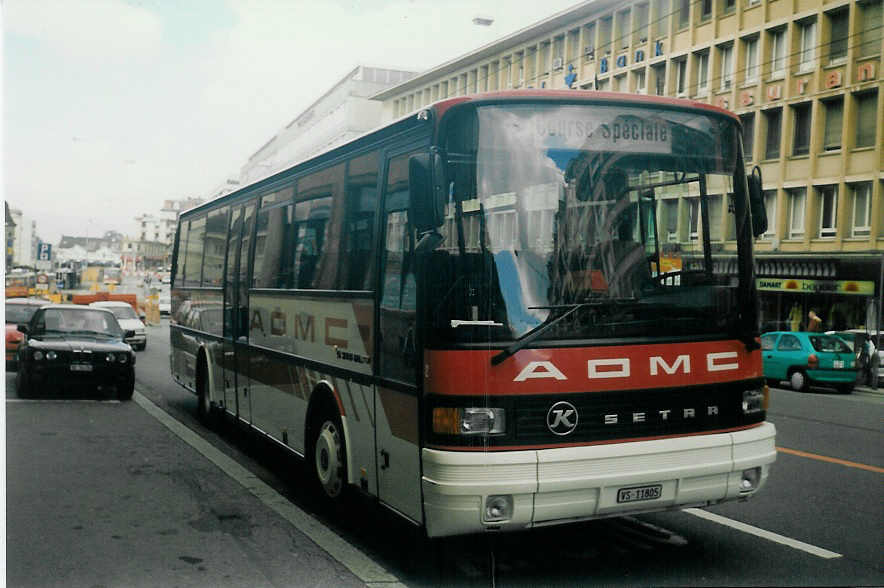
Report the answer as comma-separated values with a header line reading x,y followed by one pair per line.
x,y
798,381
329,456
204,405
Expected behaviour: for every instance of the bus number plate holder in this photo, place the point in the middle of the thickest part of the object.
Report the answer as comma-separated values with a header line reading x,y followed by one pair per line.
x,y
638,493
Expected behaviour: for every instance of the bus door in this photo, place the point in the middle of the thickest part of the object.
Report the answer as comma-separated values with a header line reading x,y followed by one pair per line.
x,y
241,318
397,408
230,274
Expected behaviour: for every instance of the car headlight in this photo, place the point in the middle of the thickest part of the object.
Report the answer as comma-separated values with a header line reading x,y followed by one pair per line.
x,y
122,357
38,355
51,355
468,421
139,331
755,400
109,357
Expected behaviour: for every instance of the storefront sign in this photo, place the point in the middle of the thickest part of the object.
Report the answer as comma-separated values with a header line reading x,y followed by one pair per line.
x,y
858,287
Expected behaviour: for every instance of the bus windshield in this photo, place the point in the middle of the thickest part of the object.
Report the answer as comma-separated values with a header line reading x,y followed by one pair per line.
x,y
583,221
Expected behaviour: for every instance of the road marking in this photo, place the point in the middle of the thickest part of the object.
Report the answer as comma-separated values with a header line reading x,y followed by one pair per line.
x,y
58,401
363,567
844,462
769,535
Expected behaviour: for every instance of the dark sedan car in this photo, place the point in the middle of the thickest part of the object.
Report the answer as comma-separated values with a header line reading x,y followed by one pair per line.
x,y
71,347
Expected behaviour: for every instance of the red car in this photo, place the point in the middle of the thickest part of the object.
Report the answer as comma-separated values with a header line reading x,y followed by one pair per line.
x,y
18,312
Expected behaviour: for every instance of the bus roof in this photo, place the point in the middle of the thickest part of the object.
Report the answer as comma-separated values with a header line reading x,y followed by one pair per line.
x,y
439,108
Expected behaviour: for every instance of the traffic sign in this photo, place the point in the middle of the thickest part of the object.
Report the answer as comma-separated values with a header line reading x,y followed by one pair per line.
x,y
44,252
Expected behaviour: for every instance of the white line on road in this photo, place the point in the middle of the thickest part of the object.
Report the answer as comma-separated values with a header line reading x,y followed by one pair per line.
x,y
769,535
363,567
58,401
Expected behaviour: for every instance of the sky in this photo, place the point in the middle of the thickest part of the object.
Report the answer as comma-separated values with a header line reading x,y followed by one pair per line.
x,y
111,107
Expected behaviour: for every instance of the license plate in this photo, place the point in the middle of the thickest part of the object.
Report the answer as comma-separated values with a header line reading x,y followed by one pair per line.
x,y
838,364
639,493
81,367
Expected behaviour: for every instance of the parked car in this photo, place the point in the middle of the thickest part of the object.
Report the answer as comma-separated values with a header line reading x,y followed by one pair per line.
x,y
18,312
807,359
74,347
856,339
165,303
128,320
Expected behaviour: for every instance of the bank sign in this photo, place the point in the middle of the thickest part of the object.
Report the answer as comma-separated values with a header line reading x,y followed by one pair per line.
x,y
856,287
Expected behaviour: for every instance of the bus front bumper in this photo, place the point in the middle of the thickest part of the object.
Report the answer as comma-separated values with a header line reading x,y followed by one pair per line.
x,y
563,485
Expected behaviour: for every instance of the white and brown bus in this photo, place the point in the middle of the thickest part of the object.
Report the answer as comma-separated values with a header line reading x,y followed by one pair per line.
x,y
503,311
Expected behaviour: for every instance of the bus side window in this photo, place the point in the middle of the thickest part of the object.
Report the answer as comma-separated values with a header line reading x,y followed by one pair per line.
x,y
319,218
398,285
358,248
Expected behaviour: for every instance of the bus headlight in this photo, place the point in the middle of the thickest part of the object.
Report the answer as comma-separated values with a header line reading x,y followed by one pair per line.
x,y
468,421
755,400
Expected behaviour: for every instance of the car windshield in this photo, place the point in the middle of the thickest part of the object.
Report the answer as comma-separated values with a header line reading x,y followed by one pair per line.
x,y
20,313
78,321
829,343
122,312
627,215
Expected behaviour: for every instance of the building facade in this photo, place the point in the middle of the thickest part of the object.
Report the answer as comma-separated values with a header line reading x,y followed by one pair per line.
x,y
343,113
803,75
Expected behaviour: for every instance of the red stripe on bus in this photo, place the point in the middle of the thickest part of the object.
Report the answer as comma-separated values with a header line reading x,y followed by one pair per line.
x,y
589,369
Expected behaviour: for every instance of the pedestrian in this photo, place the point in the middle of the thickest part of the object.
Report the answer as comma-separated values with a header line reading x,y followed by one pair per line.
x,y
814,323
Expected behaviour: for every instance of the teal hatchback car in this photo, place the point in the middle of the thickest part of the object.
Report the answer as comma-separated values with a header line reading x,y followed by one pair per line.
x,y
808,359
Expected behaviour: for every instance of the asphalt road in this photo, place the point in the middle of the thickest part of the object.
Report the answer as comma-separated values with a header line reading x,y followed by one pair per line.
x,y
103,494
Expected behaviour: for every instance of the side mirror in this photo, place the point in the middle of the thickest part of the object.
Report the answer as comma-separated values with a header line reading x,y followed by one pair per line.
x,y
756,203
22,328
426,179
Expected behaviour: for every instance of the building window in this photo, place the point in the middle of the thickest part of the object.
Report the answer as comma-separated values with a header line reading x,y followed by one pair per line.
x,y
670,219
661,28
640,82
828,200
866,119
623,29
681,67
870,25
748,121
770,207
806,61
796,213
834,110
659,78
727,66
684,13
778,53
751,60
705,9
862,209
693,217
773,118
801,136
729,6
713,205
838,35
702,73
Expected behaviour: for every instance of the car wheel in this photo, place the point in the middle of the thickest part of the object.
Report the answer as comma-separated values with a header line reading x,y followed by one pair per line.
x,y
22,386
798,380
845,388
327,457
126,391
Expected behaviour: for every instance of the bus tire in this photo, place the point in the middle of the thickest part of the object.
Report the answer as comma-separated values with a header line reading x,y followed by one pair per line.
x,y
798,380
204,411
328,456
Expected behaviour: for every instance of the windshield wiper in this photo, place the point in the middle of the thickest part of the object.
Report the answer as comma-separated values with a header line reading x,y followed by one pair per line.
x,y
542,328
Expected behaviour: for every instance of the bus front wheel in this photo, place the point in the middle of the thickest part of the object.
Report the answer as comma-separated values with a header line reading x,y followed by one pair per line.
x,y
328,458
